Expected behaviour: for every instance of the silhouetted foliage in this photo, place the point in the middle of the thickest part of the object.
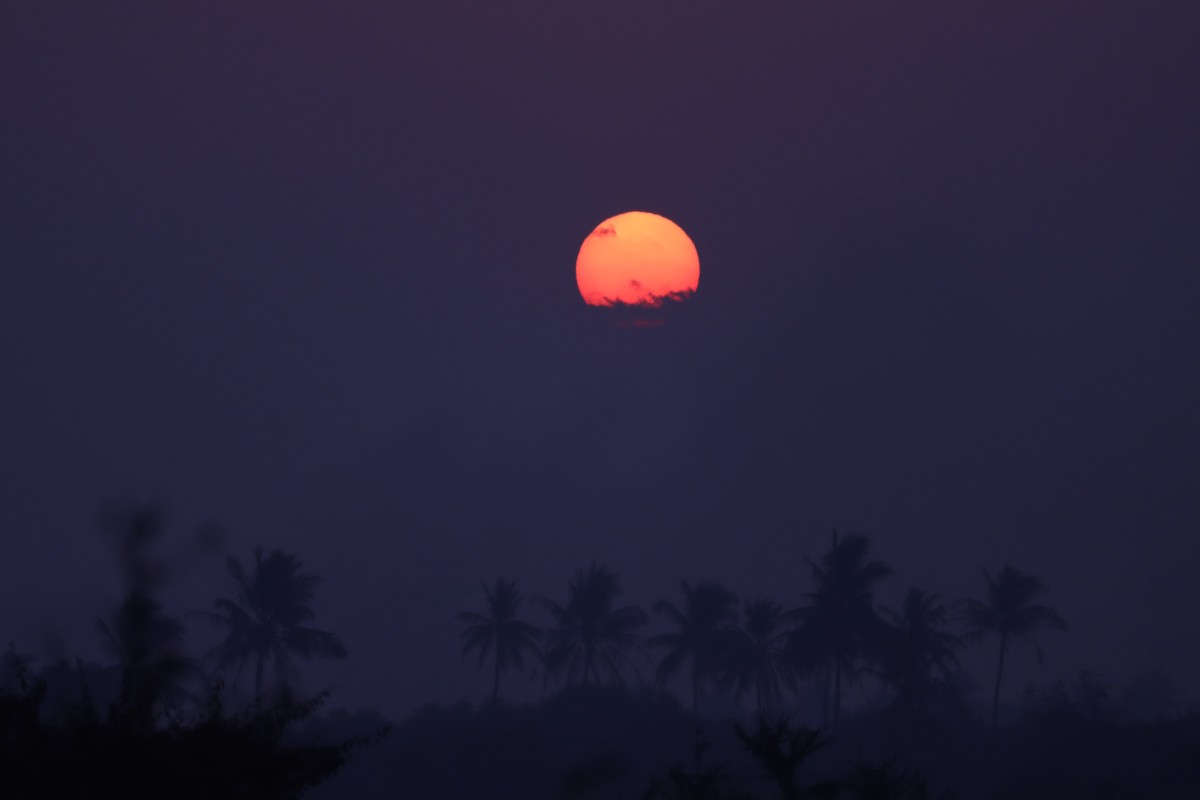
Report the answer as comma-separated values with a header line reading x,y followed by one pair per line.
x,y
589,635
591,775
134,529
135,730
1086,697
73,688
701,783
703,634
1009,612
1151,696
780,749
143,746
1070,742
147,644
500,630
14,667
585,740
266,620
758,657
204,755
887,782
839,626
919,655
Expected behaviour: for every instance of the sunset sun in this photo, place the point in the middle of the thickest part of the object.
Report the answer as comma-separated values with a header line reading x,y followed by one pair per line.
x,y
637,259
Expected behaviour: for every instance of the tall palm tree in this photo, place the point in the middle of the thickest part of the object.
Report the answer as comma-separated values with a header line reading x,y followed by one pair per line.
x,y
919,657
149,645
499,629
838,624
589,635
1009,611
266,619
703,634
758,657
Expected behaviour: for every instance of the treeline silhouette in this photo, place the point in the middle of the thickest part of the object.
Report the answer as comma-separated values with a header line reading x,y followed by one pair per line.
x,y
919,736
1075,738
764,713
835,637
163,727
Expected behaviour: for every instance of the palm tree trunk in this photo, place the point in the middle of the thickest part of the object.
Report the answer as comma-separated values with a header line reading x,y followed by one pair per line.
x,y
496,682
999,674
258,670
826,685
695,692
758,696
837,693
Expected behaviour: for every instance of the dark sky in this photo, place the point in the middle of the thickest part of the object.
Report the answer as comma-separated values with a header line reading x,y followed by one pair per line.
x,y
309,272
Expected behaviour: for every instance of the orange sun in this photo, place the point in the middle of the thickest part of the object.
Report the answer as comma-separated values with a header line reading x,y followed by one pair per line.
x,y
637,259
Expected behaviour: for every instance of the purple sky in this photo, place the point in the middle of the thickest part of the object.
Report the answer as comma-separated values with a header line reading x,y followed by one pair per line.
x,y
310,273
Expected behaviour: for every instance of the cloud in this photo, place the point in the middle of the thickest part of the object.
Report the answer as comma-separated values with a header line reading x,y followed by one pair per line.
x,y
649,301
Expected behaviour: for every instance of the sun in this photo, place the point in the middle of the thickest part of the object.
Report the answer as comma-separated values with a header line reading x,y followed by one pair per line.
x,y
637,259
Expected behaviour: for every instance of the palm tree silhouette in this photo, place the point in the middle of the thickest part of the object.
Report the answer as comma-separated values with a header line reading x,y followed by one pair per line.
x,y
1010,613
589,635
758,655
920,654
780,748
839,625
703,634
148,643
265,620
499,629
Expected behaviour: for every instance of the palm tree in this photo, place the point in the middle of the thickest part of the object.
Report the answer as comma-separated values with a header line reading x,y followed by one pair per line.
x,y
920,654
1010,613
703,634
499,629
780,748
589,635
758,657
839,625
148,643
266,619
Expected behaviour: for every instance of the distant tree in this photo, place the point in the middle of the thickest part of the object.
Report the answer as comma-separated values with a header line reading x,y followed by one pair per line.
x,y
780,750
146,642
839,626
919,656
266,620
499,629
148,645
703,634
589,635
13,666
758,657
887,781
708,782
1151,696
1009,612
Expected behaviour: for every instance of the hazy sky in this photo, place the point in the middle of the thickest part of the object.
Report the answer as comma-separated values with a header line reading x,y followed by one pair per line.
x,y
309,272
